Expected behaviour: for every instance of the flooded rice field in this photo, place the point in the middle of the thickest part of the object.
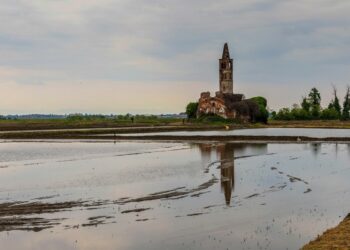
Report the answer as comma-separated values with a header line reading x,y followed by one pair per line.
x,y
151,195
309,132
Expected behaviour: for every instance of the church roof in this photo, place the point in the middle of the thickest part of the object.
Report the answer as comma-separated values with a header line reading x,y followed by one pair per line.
x,y
225,52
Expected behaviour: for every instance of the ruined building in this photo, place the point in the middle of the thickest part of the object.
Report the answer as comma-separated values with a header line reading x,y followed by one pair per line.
x,y
225,103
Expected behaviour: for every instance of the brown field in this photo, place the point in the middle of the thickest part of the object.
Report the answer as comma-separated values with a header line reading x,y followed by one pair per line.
x,y
310,124
335,238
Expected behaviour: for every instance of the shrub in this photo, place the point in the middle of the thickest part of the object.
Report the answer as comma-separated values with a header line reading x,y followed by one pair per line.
x,y
330,114
191,109
210,118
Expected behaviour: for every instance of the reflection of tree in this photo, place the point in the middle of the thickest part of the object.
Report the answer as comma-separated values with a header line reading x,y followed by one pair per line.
x,y
316,148
205,151
226,155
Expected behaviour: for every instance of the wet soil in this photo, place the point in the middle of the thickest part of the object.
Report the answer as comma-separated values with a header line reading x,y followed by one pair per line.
x,y
174,193
16,215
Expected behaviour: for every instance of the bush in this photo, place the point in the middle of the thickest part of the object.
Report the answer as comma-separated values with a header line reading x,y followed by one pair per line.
x,y
191,109
284,114
300,114
210,118
260,100
330,114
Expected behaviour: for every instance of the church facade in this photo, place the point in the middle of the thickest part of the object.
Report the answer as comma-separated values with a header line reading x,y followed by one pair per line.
x,y
225,103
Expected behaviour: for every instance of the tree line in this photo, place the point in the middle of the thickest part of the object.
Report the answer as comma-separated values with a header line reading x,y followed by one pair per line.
x,y
310,108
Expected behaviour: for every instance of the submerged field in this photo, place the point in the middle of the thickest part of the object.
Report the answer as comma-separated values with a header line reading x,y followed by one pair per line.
x,y
170,195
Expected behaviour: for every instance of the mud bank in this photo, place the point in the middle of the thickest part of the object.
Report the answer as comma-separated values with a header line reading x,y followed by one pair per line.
x,y
335,238
243,138
186,133
24,215
71,133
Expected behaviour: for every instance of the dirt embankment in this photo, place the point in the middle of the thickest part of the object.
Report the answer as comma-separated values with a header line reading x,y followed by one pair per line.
x,y
335,238
40,124
121,132
226,138
310,124
88,133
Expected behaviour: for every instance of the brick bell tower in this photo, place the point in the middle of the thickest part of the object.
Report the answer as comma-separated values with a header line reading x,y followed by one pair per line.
x,y
226,72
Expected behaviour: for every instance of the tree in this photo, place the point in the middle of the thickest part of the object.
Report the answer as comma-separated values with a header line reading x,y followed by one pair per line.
x,y
346,105
314,97
315,102
305,104
273,114
334,104
191,109
263,113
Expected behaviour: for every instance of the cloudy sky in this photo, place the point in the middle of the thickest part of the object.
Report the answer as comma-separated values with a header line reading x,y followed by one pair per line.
x,y
154,56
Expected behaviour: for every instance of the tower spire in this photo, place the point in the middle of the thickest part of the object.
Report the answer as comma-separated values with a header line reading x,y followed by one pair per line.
x,y
225,52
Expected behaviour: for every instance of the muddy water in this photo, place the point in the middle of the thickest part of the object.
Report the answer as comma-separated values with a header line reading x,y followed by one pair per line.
x,y
130,195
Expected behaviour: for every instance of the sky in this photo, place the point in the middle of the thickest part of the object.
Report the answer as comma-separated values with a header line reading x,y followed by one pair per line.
x,y
155,56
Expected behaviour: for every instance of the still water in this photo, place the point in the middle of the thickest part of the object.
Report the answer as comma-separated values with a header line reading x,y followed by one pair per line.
x,y
138,195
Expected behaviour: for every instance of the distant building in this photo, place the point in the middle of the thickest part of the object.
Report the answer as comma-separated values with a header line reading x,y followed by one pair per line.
x,y
225,103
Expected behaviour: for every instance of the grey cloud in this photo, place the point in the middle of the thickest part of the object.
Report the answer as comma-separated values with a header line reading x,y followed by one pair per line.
x,y
160,40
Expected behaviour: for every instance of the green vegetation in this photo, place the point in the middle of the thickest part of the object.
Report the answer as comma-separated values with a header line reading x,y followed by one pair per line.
x,y
310,108
334,104
191,109
263,114
346,105
87,121
255,107
214,119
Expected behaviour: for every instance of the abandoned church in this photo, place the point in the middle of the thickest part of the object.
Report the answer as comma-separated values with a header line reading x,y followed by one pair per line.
x,y
225,103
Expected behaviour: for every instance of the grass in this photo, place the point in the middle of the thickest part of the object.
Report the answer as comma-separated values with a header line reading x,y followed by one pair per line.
x,y
32,124
335,238
156,124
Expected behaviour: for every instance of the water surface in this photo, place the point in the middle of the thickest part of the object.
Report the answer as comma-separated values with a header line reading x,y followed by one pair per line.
x,y
133,195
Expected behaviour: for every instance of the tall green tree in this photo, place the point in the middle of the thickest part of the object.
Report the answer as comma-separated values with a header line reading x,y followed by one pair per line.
x,y
346,105
305,104
315,102
334,104
263,113
191,109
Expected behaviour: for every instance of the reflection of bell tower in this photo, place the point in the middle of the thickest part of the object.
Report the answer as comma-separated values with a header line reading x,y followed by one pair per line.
x,y
226,72
226,153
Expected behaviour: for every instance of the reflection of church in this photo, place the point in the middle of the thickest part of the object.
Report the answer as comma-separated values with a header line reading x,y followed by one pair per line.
x,y
225,154
227,168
